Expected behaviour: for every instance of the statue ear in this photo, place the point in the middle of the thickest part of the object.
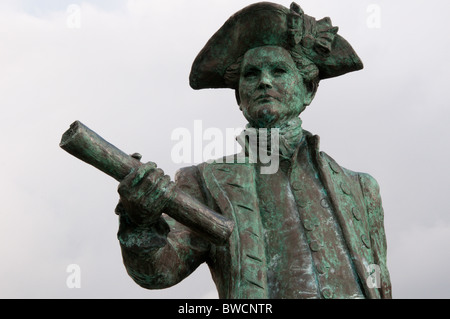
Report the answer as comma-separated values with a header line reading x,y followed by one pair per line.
x,y
309,97
311,92
238,98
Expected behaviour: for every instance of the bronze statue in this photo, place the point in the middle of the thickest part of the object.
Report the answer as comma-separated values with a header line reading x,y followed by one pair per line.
x,y
310,229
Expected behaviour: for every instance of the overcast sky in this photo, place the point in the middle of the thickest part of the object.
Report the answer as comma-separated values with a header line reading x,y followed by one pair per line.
x,y
122,67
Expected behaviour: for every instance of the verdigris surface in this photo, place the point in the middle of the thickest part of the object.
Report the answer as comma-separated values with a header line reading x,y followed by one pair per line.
x,y
311,228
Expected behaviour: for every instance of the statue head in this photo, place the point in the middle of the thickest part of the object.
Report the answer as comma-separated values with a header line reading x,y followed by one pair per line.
x,y
273,57
273,85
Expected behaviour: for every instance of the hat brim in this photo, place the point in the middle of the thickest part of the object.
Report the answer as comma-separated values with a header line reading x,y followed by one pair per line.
x,y
262,24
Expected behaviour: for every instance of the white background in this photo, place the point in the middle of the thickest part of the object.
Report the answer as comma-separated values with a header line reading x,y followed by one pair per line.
x,y
122,69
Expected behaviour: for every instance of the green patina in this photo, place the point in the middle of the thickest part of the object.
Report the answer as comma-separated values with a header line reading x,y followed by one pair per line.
x,y
310,229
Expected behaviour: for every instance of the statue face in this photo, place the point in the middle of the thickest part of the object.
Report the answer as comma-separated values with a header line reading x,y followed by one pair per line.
x,y
271,88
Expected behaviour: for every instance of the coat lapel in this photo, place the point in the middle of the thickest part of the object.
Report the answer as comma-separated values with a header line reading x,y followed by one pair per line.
x,y
237,182
347,200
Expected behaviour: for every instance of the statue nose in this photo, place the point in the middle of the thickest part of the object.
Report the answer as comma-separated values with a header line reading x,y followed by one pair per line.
x,y
265,82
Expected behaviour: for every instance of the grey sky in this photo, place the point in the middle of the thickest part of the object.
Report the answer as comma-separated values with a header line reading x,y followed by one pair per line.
x,y
124,73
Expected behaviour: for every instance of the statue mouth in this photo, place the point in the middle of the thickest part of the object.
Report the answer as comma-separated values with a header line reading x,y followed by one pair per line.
x,y
266,98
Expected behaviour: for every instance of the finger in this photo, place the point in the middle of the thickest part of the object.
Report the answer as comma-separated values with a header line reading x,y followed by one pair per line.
x,y
157,181
134,177
141,173
164,183
148,184
157,196
124,185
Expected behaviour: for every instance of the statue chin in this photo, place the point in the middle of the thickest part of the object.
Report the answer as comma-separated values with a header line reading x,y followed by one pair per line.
x,y
269,116
266,116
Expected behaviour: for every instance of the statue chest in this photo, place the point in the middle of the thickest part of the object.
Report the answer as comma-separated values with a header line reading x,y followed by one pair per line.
x,y
296,231
306,255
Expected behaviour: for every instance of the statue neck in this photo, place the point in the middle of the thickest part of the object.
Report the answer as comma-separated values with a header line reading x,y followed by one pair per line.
x,y
290,136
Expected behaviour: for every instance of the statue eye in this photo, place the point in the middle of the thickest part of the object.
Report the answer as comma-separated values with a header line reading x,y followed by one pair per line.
x,y
250,74
279,71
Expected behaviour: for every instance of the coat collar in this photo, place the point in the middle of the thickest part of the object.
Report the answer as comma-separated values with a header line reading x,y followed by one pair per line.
x,y
289,137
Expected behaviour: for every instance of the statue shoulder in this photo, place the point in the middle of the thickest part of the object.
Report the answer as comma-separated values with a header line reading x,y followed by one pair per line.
x,y
186,174
189,179
370,186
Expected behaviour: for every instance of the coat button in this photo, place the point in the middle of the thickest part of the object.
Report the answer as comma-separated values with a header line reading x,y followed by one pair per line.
x,y
345,189
315,247
309,225
321,269
327,293
297,186
324,203
366,241
356,213
301,203
334,167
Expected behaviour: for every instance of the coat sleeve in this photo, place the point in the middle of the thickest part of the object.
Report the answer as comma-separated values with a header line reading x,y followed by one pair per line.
x,y
161,256
371,191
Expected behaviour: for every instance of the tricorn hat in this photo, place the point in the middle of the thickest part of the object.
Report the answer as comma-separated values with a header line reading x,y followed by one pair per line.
x,y
264,24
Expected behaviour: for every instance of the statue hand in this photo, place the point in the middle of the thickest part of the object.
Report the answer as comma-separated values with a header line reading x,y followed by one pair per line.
x,y
144,193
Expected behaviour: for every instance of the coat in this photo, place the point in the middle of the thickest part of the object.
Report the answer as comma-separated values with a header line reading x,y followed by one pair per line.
x,y
239,267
